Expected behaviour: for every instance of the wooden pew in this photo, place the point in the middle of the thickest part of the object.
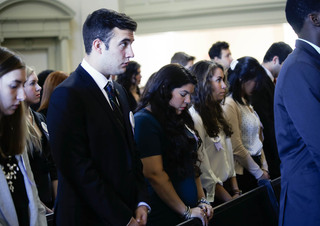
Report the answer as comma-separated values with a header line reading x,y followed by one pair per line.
x,y
254,208
49,217
251,209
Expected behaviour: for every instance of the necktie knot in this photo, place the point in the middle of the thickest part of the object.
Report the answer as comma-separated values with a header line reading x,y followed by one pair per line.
x,y
112,97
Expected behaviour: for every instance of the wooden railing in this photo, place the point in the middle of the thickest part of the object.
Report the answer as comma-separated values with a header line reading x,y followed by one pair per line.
x,y
257,207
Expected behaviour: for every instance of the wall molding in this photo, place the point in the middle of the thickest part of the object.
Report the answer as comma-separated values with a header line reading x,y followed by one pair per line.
x,y
174,15
24,22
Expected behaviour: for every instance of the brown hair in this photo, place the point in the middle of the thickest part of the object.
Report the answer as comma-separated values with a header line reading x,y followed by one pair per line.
x,y
12,127
52,81
208,108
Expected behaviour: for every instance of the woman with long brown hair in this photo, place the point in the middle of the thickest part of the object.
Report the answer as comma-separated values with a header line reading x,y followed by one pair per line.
x,y
20,204
217,165
52,81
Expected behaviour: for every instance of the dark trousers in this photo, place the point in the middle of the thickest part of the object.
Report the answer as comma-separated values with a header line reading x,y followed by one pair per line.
x,y
247,181
227,186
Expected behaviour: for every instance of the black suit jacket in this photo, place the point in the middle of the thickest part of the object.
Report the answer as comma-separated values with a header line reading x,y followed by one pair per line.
x,y
100,173
42,164
262,102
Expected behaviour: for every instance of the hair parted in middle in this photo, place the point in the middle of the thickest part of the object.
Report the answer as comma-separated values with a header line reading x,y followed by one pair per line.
x,y
208,108
12,127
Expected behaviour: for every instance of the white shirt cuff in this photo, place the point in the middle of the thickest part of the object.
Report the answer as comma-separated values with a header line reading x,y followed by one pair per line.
x,y
145,204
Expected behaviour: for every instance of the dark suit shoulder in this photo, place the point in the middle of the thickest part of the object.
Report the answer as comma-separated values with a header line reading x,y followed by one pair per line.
x,y
39,117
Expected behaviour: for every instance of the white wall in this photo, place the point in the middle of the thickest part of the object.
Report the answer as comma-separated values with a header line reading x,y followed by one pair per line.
x,y
153,51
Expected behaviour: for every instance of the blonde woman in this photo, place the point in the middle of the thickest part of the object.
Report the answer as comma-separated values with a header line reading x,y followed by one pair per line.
x,y
41,161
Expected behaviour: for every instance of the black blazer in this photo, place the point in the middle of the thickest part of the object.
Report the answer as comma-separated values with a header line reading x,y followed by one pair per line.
x,y
262,101
100,173
42,165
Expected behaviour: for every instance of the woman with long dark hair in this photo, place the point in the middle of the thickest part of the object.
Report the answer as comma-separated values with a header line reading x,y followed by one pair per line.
x,y
20,204
250,161
217,165
168,143
130,80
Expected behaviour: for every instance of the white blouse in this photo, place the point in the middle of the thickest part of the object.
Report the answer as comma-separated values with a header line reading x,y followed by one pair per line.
x,y
216,155
245,138
250,130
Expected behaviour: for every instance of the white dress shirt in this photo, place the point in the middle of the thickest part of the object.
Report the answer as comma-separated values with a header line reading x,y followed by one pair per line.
x,y
317,48
216,155
269,73
99,78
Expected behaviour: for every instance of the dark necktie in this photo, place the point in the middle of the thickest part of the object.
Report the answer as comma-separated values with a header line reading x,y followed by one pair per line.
x,y
112,97
113,101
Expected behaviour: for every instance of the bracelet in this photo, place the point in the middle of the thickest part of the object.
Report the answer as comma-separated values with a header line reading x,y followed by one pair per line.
x,y
203,200
187,213
237,192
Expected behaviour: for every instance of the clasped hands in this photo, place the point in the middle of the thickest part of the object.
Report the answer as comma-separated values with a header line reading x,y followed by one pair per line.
x,y
204,212
141,217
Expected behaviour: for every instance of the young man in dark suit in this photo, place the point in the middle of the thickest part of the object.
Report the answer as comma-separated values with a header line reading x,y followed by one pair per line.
x,y
262,101
297,118
89,121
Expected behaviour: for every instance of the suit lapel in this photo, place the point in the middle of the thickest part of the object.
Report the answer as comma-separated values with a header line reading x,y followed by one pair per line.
x,y
315,56
122,97
93,88
270,84
41,124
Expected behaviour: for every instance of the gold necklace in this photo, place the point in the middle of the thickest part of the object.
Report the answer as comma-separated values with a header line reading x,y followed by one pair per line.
x,y
10,174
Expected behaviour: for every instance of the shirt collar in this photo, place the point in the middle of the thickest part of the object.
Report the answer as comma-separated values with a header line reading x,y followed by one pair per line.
x,y
99,78
317,48
268,73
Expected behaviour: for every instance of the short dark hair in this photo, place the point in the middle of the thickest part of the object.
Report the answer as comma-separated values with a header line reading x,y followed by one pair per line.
x,y
298,10
279,49
181,58
215,50
100,23
42,76
247,68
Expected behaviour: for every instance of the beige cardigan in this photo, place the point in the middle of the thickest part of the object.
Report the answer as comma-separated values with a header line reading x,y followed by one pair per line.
x,y
242,156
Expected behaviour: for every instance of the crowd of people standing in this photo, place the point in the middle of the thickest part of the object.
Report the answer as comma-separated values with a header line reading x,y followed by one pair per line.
x,y
98,151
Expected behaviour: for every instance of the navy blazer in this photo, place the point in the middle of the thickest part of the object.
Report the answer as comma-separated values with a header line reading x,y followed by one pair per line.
x,y
100,173
297,126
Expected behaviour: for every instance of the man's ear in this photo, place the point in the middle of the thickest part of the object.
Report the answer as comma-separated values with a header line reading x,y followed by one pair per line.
x,y
97,45
275,60
216,59
315,19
